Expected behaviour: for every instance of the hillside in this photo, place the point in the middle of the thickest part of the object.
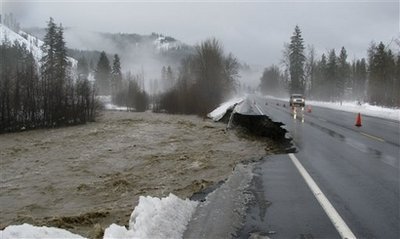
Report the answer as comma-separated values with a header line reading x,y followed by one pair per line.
x,y
32,43
136,51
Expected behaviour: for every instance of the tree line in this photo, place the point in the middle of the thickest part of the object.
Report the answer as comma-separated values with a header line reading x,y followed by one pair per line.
x,y
125,89
203,81
46,93
332,77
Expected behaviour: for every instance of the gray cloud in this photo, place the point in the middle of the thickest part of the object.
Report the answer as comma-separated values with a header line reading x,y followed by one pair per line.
x,y
253,31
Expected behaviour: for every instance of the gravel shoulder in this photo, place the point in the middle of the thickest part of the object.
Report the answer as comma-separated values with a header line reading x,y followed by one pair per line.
x,y
92,175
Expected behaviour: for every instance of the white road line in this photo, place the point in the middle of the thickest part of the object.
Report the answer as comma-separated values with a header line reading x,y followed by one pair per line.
x,y
372,137
333,215
258,108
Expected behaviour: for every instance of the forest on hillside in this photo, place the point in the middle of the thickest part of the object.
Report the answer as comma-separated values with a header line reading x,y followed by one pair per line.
x,y
333,77
59,90
34,95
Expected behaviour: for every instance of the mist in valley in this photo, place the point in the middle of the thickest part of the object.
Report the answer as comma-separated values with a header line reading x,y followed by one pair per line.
x,y
135,82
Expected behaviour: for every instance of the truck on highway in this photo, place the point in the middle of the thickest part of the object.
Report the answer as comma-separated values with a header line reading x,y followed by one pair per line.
x,y
297,100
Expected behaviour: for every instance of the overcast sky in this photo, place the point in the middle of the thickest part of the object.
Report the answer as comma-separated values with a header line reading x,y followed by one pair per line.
x,y
254,31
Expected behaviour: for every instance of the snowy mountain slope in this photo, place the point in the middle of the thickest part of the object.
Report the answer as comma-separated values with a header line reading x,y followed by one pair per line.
x,y
32,43
147,53
164,43
88,40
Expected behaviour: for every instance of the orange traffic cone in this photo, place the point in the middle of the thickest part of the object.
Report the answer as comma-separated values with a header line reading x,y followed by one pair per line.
x,y
309,109
358,120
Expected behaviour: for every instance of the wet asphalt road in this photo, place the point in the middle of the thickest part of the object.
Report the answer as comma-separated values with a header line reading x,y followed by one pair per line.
x,y
357,168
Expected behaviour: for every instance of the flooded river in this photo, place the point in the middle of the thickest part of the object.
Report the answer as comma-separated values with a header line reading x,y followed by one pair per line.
x,y
89,176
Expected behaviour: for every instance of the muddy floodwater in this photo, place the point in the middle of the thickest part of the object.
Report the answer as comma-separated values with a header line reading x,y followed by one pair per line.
x,y
80,176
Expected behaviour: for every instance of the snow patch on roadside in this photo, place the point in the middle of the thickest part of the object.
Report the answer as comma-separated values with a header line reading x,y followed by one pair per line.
x,y
29,231
152,218
155,218
365,109
353,106
219,112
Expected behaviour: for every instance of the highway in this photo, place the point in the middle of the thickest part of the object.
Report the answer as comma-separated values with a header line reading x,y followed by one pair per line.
x,y
356,169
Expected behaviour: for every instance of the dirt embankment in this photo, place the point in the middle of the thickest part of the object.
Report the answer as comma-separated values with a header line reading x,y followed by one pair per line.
x,y
77,177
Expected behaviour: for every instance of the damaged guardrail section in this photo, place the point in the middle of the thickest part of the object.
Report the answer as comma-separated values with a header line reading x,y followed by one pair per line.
x,y
244,114
259,125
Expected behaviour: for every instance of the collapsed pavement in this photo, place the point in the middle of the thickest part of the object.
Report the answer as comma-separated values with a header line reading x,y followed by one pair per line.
x,y
244,114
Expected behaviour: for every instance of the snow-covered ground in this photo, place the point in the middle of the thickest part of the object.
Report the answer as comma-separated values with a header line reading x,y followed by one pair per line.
x,y
364,109
162,44
155,218
29,231
219,112
32,43
152,218
108,105
353,106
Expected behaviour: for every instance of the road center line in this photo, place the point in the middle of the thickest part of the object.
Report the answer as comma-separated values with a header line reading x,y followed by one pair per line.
x,y
258,108
372,137
333,215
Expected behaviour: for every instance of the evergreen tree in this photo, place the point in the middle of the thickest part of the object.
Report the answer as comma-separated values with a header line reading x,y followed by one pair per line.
x,y
31,92
396,83
61,65
320,86
103,75
359,76
83,67
48,68
296,62
310,71
382,76
170,78
27,101
164,82
343,80
390,90
53,72
116,76
331,76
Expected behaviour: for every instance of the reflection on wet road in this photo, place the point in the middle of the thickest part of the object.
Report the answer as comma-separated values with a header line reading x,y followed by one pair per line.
x,y
357,168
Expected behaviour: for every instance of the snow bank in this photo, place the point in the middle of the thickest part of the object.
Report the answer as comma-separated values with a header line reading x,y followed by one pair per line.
x,y
353,106
29,231
110,106
156,218
219,112
152,218
106,100
32,43
365,109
